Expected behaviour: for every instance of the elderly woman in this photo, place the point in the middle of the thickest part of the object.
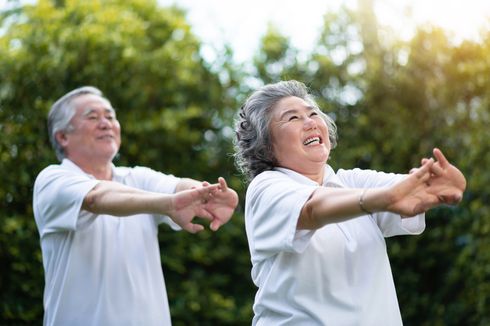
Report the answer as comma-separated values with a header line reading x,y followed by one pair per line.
x,y
316,236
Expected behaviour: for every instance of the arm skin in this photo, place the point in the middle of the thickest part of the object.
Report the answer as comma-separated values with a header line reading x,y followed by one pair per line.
x,y
213,202
433,184
408,197
223,202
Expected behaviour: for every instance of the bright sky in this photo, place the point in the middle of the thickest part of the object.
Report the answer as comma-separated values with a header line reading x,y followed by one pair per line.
x,y
242,23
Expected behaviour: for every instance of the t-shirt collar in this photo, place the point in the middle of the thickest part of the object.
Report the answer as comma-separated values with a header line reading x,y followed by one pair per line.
x,y
117,174
330,179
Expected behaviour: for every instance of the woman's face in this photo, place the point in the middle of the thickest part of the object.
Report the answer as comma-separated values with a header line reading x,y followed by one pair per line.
x,y
299,136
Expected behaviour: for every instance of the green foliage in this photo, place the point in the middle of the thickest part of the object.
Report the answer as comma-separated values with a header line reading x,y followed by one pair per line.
x,y
171,106
392,100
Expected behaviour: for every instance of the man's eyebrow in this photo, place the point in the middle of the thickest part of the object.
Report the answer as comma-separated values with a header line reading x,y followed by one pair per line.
x,y
88,110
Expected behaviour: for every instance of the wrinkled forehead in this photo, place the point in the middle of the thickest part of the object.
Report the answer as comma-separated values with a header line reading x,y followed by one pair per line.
x,y
91,102
291,104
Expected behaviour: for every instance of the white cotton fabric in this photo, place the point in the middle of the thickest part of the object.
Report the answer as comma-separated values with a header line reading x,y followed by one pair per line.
x,y
337,275
99,269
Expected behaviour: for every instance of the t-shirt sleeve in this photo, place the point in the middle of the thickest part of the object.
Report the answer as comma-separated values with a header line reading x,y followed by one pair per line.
x,y
273,206
58,197
154,181
390,224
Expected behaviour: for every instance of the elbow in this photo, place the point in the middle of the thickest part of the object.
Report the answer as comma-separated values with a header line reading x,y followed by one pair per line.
x,y
307,220
91,199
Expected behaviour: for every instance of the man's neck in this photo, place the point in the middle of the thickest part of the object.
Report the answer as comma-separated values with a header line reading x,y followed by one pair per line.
x,y
101,170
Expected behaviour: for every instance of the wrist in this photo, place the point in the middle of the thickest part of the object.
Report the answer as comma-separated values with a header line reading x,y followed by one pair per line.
x,y
362,202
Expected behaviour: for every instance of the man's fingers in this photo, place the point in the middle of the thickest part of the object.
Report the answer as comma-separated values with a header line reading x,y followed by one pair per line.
x,y
215,224
440,157
451,199
222,183
206,192
193,228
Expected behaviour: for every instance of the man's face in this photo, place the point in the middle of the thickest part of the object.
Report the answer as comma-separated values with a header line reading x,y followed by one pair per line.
x,y
96,133
299,136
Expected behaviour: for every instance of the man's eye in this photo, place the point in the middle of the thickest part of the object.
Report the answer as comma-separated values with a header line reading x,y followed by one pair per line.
x,y
92,117
313,113
293,117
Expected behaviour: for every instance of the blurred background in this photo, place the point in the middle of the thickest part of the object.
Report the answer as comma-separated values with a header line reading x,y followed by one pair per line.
x,y
398,77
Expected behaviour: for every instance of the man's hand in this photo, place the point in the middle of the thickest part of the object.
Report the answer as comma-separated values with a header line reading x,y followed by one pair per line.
x,y
221,204
188,204
213,202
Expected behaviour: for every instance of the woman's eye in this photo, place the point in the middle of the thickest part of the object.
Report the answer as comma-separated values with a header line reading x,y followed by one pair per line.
x,y
293,117
313,113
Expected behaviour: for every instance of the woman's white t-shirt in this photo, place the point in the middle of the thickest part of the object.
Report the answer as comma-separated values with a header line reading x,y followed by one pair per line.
x,y
337,275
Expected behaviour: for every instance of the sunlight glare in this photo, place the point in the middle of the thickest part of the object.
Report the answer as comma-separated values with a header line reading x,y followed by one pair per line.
x,y
461,19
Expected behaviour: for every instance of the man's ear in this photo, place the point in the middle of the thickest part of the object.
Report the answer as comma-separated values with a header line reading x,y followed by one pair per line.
x,y
61,138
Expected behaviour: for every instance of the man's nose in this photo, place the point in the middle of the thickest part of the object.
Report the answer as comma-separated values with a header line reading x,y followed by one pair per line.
x,y
105,122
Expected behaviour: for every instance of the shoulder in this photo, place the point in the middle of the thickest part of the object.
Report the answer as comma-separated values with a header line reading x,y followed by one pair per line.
x,y
146,178
267,176
55,171
366,178
278,184
270,179
124,174
136,171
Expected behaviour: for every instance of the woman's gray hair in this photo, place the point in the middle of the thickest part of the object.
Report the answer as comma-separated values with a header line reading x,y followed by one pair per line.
x,y
253,145
62,112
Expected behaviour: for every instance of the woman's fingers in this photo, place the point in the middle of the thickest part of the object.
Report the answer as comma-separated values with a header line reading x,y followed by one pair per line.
x,y
437,170
424,169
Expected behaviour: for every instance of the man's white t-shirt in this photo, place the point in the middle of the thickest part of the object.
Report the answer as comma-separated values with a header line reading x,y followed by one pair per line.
x,y
99,269
337,275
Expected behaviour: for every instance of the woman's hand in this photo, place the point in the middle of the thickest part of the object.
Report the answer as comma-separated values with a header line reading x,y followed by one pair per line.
x,y
446,181
412,195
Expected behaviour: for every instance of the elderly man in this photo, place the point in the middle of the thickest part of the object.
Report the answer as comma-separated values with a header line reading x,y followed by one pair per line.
x,y
98,223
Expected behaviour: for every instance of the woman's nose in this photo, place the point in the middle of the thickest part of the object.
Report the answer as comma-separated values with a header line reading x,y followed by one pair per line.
x,y
309,123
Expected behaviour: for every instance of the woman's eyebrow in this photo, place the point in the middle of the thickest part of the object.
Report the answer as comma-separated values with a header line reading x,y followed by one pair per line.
x,y
293,111
285,113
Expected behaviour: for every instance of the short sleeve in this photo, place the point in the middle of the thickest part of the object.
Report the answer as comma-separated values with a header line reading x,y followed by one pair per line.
x,y
390,224
154,181
58,197
150,180
273,206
